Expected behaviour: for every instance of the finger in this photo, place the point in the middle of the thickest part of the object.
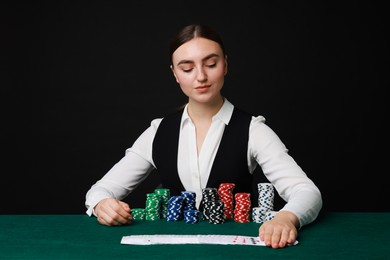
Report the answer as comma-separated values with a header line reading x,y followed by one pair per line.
x,y
275,238
107,220
285,235
118,216
292,236
123,217
263,236
266,234
111,213
125,206
261,232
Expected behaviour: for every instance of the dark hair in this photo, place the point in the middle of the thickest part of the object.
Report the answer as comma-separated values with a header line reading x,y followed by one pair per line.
x,y
192,31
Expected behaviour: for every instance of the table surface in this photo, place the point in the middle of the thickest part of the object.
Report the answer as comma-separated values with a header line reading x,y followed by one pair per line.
x,y
334,235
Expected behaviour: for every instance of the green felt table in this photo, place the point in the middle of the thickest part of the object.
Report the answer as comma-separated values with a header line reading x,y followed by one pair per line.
x,y
335,235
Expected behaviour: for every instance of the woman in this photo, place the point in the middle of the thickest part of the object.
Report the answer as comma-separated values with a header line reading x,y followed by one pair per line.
x,y
198,147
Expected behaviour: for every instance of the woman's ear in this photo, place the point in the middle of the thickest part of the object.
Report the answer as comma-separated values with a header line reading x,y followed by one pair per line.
x,y
226,65
174,74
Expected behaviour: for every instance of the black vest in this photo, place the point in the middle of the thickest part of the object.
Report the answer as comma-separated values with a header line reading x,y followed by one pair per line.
x,y
230,164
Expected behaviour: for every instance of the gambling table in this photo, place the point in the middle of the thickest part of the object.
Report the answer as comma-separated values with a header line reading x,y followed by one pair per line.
x,y
334,235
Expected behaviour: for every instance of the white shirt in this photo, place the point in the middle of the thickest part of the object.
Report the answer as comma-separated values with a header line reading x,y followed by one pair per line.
x,y
264,148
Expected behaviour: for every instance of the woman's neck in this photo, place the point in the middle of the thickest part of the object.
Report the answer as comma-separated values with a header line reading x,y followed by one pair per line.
x,y
204,111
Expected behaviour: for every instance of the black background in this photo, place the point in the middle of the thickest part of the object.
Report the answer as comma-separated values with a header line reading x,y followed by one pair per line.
x,y
79,83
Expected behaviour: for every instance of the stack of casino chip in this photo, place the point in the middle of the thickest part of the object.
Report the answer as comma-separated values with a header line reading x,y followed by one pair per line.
x,y
242,208
175,208
189,200
216,213
152,206
265,202
138,213
208,195
164,198
270,215
192,216
258,214
266,195
225,192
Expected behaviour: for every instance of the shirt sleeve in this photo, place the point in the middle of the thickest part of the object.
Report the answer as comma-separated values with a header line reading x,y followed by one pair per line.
x,y
292,184
126,174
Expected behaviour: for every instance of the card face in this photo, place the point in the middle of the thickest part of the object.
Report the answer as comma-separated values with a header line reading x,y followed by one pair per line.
x,y
192,239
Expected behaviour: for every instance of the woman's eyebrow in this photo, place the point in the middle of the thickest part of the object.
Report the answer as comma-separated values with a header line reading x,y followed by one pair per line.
x,y
212,55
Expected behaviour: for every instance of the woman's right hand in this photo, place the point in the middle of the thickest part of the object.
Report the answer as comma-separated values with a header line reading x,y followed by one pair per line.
x,y
113,212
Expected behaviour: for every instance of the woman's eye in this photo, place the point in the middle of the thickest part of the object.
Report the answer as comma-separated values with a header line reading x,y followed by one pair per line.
x,y
186,68
211,65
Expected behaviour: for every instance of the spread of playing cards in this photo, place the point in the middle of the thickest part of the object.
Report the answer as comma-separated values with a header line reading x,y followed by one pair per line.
x,y
192,239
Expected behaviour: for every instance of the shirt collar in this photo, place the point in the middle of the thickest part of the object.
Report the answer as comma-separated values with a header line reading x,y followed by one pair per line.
x,y
224,114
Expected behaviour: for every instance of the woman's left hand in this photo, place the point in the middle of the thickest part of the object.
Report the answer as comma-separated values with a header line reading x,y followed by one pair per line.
x,y
280,231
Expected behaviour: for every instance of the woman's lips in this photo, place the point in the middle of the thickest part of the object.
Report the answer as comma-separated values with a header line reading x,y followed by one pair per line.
x,y
201,89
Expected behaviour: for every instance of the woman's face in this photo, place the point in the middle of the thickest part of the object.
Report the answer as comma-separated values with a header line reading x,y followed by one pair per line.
x,y
199,67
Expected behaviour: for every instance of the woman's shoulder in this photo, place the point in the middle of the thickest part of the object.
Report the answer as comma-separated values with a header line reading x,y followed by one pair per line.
x,y
168,116
255,118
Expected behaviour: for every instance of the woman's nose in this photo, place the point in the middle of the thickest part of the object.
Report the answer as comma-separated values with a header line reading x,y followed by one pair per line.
x,y
201,75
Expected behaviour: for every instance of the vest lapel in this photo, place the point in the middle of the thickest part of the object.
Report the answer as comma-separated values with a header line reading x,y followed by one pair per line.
x,y
230,163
